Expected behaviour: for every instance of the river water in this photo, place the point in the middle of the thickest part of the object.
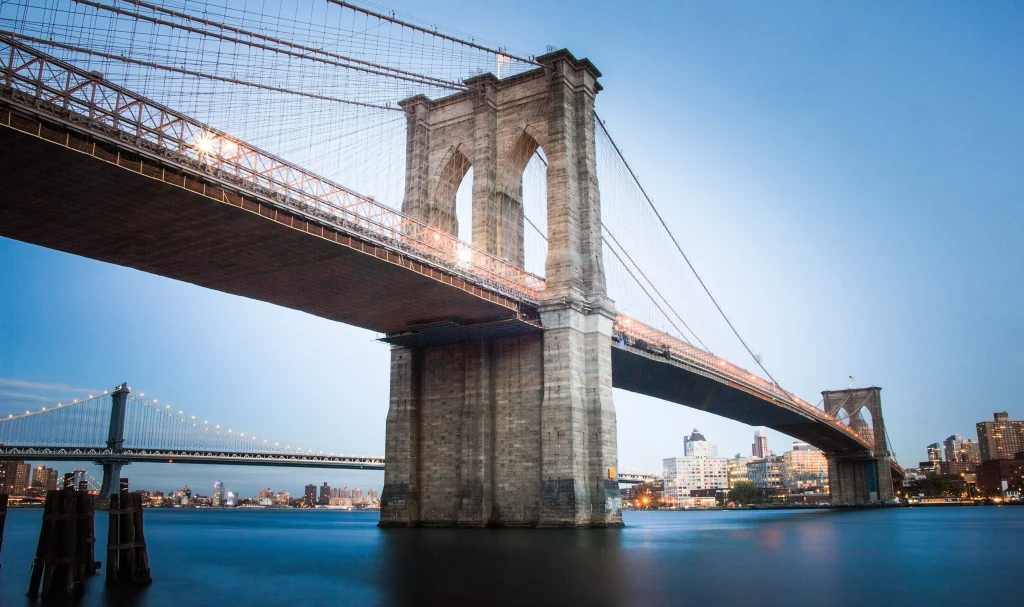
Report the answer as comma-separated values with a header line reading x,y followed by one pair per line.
x,y
918,556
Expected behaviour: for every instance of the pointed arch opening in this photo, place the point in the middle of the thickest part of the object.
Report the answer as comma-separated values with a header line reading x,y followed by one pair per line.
x,y
522,200
451,185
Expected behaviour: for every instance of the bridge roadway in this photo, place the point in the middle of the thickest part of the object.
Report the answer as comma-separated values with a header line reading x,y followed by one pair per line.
x,y
78,186
192,456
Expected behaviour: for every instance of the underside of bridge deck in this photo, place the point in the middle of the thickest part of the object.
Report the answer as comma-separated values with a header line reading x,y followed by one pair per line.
x,y
62,199
650,375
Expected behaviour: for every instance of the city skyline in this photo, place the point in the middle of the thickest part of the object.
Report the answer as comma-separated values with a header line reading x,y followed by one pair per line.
x,y
210,351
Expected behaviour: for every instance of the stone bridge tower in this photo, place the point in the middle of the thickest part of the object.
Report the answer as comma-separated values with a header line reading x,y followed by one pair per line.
x,y
863,477
510,431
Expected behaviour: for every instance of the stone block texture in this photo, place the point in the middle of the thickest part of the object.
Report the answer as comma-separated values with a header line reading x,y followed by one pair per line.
x,y
514,431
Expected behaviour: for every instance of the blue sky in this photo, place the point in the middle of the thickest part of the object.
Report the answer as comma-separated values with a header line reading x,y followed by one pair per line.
x,y
847,178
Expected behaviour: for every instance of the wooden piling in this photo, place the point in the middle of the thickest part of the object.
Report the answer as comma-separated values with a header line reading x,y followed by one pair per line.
x,y
63,556
127,555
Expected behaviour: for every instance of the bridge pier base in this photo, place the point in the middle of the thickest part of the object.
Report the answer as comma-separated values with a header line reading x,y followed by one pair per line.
x,y
859,479
512,432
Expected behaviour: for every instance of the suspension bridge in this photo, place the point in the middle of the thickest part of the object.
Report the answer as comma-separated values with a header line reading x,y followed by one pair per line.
x,y
509,254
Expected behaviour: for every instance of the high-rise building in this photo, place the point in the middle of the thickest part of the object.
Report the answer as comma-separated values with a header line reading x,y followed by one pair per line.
x,y
283,498
737,469
14,477
935,453
952,447
266,493
765,473
805,468
760,447
218,494
325,494
1001,439
697,445
357,493
700,468
44,478
309,497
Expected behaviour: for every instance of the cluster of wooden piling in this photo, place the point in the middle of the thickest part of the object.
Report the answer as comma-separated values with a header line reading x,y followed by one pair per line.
x,y
66,552
127,557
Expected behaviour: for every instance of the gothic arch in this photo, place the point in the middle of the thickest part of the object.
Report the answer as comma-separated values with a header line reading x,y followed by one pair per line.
x,y
444,186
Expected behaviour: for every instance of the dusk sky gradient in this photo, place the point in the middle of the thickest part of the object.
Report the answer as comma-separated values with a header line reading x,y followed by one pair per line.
x,y
848,178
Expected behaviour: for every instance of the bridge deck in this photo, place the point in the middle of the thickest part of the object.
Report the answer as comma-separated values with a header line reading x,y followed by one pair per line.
x,y
74,201
654,375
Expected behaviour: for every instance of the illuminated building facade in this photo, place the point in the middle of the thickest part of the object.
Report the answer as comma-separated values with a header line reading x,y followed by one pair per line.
x,y
1000,439
805,468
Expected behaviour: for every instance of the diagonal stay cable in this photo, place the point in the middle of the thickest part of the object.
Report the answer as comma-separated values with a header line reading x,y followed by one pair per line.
x,y
663,298
680,249
639,269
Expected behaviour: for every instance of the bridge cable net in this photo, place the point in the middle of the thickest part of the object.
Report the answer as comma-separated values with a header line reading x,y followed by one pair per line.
x,y
317,84
79,423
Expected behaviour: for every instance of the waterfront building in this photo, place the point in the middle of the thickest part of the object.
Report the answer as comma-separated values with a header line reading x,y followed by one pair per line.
x,y
766,473
641,496
282,498
759,449
309,497
935,454
325,494
44,478
357,494
736,469
14,477
685,474
266,493
218,494
996,477
1000,439
805,468
696,445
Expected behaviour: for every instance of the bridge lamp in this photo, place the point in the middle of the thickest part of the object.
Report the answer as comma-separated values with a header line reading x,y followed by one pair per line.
x,y
44,408
465,254
206,143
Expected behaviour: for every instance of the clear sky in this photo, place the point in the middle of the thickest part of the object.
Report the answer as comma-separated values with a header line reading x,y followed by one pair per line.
x,y
847,177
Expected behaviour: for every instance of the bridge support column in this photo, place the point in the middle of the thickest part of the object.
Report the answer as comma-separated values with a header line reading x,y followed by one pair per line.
x,y
859,479
111,478
515,432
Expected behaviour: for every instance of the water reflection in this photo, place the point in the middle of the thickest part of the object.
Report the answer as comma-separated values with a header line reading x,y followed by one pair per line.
x,y
505,566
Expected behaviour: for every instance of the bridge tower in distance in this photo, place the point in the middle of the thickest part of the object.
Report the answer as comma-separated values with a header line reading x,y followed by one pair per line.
x,y
860,477
510,430
115,441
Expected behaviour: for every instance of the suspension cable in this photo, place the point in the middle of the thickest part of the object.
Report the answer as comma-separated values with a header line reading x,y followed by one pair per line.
x,y
250,43
288,43
169,68
424,30
680,249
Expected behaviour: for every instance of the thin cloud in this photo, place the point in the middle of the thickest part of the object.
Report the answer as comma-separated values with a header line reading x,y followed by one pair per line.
x,y
25,398
19,384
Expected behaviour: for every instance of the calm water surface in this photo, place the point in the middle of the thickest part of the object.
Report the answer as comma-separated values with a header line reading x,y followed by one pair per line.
x,y
937,556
